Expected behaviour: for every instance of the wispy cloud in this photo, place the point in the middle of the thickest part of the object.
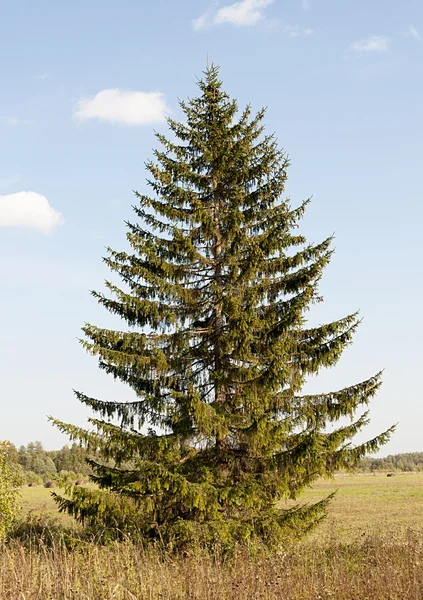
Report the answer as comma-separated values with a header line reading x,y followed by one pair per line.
x,y
40,76
29,209
375,43
306,4
16,121
123,106
412,32
297,30
242,14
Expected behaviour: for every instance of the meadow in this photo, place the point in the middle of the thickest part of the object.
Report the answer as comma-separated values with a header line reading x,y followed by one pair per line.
x,y
369,548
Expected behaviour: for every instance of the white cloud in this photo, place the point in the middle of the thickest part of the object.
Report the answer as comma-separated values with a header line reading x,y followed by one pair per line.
x,y
412,32
296,30
16,121
123,106
28,209
375,43
306,4
204,21
241,14
40,76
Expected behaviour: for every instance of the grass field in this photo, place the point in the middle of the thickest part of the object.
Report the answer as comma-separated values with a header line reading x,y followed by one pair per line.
x,y
371,504
38,501
363,503
369,548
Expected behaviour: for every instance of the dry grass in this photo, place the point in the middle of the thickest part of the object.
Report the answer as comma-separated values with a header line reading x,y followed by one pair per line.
x,y
377,568
370,504
371,548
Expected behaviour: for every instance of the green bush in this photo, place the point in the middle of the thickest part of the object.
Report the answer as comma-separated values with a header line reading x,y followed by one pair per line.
x,y
32,478
10,481
65,477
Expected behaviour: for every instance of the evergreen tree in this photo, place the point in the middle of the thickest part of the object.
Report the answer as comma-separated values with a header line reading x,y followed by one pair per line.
x,y
34,458
72,459
214,291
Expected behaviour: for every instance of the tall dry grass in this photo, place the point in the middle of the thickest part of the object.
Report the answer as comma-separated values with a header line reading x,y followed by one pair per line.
x,y
376,567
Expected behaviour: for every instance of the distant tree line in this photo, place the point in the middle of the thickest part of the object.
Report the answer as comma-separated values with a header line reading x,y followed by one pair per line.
x,y
35,465
410,461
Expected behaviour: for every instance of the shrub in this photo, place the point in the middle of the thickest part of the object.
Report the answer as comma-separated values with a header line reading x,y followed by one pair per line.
x,y
10,480
32,478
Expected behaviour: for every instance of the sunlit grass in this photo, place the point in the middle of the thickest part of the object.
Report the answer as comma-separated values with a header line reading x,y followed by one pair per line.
x,y
369,548
370,504
379,567
363,503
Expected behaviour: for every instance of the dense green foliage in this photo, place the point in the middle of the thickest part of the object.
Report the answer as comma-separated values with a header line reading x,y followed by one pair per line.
x,y
10,480
34,458
214,292
38,465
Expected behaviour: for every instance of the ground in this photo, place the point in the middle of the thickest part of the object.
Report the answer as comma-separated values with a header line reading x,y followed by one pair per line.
x,y
369,548
370,503
363,503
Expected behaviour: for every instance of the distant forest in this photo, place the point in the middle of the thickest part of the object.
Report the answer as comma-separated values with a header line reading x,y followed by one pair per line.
x,y
38,466
410,461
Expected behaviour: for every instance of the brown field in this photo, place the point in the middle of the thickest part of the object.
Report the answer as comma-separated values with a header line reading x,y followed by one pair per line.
x,y
370,548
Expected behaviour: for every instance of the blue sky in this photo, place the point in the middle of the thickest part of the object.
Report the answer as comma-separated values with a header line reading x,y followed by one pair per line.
x,y
84,86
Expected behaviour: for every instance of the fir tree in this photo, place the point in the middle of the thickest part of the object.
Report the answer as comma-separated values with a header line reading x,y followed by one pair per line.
x,y
217,350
